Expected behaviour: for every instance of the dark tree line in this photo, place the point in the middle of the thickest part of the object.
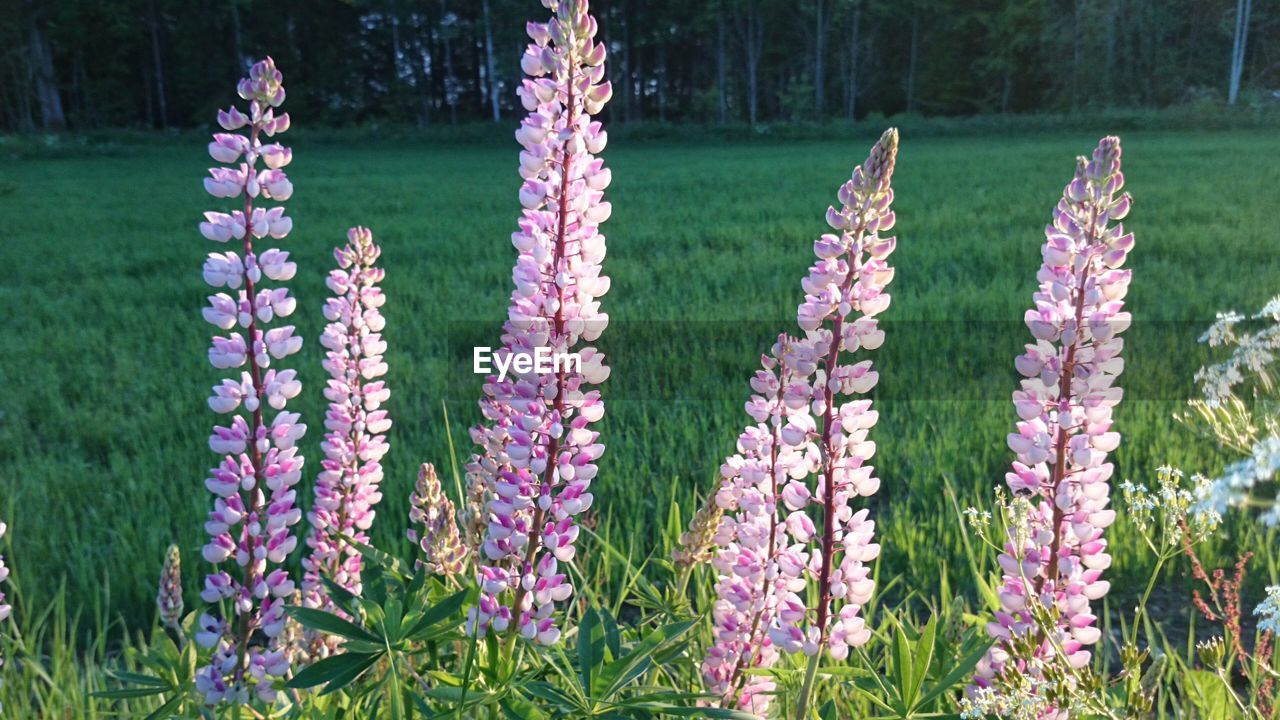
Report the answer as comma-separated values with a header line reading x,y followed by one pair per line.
x,y
166,63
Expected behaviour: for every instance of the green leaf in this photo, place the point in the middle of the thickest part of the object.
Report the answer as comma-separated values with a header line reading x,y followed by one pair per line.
x,y
339,594
552,694
394,614
958,674
589,649
373,583
1209,695
333,670
313,619
612,635
130,692
447,608
166,710
828,711
920,663
902,665
132,678
622,671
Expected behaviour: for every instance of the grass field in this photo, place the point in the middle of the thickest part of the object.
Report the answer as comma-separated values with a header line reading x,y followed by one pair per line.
x,y
103,417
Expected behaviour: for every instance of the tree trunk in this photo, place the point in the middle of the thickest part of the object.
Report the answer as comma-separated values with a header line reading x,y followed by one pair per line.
x,y
911,65
237,37
851,99
751,35
1109,68
42,74
628,66
1239,43
397,51
153,21
491,74
662,79
820,49
722,62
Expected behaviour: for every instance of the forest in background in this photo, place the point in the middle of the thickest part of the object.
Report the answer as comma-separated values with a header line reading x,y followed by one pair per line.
x,y
88,64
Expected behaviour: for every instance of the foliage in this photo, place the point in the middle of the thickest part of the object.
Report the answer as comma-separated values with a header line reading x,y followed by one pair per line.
x,y
163,63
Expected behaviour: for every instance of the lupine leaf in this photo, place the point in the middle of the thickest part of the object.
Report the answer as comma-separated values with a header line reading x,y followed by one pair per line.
x,y
325,622
333,670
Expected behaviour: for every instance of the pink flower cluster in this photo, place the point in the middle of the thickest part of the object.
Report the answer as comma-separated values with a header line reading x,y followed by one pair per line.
x,y
254,507
539,451
768,555
1056,556
351,471
5,608
756,561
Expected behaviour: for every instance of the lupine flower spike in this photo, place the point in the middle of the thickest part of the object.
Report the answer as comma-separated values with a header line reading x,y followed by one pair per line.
x,y
354,444
254,511
755,560
538,450
697,544
433,512
768,557
169,596
844,292
5,608
1055,553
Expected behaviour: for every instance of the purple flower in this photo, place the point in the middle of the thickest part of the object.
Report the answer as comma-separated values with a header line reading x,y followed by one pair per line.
x,y
1056,553
254,510
351,471
539,452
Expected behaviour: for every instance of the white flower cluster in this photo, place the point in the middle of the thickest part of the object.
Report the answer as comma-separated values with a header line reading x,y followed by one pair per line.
x,y
1022,699
1269,611
1254,353
1234,488
1165,512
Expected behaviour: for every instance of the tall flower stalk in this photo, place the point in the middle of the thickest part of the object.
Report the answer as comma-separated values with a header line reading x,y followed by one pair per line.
x,y
539,452
1055,551
347,486
250,526
757,560
844,292
772,552
5,608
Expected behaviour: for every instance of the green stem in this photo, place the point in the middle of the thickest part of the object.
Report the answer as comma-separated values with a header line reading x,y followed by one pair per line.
x,y
802,709
1141,612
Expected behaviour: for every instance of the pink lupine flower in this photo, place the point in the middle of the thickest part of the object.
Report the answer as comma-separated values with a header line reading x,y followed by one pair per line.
x,y
844,292
254,510
432,511
1055,556
756,563
539,451
347,486
768,556
5,608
